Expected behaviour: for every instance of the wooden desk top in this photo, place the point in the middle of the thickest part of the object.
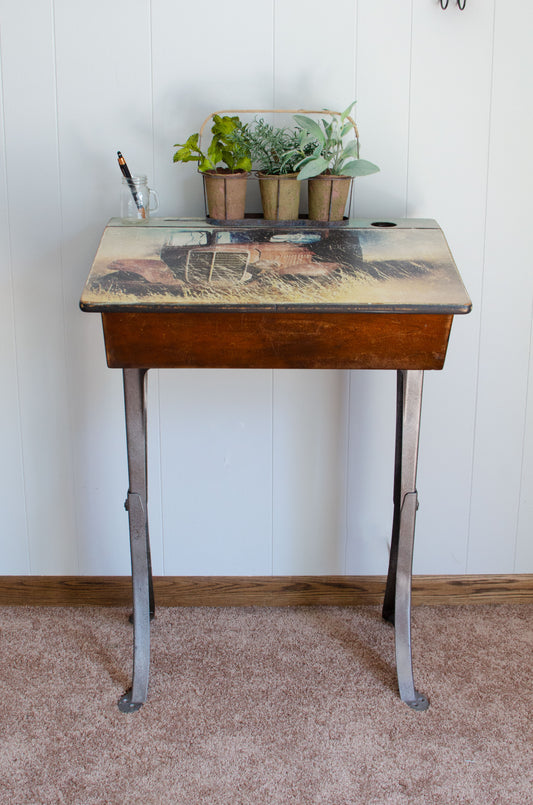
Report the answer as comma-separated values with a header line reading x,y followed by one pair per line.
x,y
185,265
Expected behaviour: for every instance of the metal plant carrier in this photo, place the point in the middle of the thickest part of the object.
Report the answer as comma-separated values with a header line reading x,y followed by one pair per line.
x,y
254,174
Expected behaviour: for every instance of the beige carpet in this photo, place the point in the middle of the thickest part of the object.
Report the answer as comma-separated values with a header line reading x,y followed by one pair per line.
x,y
266,706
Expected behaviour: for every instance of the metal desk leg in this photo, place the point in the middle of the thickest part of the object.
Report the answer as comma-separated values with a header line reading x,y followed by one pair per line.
x,y
397,602
136,505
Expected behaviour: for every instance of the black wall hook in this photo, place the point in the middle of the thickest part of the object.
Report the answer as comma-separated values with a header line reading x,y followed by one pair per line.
x,y
444,4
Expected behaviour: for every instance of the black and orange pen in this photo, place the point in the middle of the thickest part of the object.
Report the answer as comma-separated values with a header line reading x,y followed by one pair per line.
x,y
127,175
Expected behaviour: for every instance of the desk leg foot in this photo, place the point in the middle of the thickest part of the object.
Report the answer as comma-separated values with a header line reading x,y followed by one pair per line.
x,y
402,613
420,703
125,704
133,699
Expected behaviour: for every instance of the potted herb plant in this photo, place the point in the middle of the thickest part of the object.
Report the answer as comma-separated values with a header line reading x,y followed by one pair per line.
x,y
225,186
275,153
333,164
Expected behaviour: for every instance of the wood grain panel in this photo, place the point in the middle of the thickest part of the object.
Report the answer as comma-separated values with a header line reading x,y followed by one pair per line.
x,y
275,340
173,591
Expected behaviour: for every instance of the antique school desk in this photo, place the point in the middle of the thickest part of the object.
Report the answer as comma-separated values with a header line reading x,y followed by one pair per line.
x,y
360,294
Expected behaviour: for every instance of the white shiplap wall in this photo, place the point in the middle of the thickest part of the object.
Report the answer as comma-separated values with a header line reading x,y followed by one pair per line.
x,y
261,472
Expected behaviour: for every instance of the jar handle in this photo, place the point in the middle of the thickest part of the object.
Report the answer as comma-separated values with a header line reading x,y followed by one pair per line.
x,y
152,194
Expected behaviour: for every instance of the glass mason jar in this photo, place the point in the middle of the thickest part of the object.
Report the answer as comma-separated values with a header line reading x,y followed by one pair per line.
x,y
137,200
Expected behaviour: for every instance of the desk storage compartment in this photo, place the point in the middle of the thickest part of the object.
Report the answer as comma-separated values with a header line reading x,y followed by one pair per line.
x,y
276,340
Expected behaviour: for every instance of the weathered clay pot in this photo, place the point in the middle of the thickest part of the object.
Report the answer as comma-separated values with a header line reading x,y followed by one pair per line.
x,y
226,194
280,196
328,196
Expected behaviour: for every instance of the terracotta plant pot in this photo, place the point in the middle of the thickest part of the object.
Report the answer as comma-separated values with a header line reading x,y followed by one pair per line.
x,y
280,196
226,194
328,196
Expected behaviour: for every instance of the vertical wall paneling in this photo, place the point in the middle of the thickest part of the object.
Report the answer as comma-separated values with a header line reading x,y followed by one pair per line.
x,y
153,436
383,73
312,71
193,75
507,302
371,471
216,471
447,179
104,105
199,68
314,55
524,543
14,540
310,453
383,38
35,236
259,472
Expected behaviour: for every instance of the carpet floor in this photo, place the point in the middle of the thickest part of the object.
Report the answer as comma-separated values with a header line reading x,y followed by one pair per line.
x,y
276,706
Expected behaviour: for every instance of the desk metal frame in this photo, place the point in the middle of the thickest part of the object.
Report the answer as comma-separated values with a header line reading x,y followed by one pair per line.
x,y
397,602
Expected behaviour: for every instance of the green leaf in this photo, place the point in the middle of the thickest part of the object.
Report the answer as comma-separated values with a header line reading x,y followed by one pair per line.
x,y
359,167
227,156
223,126
189,151
351,149
303,162
181,154
307,140
346,129
205,165
347,111
313,168
244,164
311,127
214,152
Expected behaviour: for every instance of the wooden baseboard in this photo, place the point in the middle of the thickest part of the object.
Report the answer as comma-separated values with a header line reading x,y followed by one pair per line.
x,y
213,591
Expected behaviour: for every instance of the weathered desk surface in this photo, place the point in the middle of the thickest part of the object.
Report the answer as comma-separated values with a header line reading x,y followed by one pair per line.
x,y
254,294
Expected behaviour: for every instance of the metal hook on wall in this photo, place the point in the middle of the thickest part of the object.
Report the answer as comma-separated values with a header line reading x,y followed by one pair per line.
x,y
444,4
